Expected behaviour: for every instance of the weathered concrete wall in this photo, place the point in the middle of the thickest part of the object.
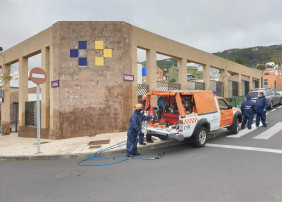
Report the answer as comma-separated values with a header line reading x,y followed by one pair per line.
x,y
92,99
15,94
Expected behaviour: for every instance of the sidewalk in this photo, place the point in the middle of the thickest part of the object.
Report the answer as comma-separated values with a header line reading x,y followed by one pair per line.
x,y
13,147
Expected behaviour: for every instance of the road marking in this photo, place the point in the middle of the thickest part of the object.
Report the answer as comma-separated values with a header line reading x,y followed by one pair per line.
x,y
40,76
280,107
277,151
273,110
266,113
270,132
244,131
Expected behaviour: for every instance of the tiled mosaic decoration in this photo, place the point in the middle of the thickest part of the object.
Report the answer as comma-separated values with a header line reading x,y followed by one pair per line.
x,y
107,53
99,61
74,53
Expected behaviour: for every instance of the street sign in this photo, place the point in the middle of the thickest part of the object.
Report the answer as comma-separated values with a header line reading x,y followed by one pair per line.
x,y
128,77
1,96
55,84
37,75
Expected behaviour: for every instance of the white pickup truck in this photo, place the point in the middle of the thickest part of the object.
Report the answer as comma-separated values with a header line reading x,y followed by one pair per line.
x,y
191,114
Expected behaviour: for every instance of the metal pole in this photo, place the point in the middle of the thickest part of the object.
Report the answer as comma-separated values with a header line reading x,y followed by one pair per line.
x,y
38,120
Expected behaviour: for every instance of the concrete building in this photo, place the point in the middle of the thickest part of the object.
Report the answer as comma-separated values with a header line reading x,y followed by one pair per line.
x,y
90,60
273,81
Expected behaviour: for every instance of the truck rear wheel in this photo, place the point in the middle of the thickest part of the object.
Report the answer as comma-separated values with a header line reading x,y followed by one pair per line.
x,y
200,138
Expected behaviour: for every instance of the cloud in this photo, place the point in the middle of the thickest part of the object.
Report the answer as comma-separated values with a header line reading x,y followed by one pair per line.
x,y
208,25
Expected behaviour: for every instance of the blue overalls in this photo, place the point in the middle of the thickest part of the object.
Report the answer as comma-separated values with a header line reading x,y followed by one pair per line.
x,y
141,136
134,128
248,110
261,106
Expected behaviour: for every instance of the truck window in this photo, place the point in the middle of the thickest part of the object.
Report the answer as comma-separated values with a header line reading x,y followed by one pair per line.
x,y
222,104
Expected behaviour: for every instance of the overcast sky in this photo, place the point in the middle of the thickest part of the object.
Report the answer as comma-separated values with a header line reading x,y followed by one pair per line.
x,y
209,25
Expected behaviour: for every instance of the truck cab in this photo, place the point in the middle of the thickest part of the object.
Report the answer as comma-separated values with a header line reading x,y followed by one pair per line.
x,y
190,114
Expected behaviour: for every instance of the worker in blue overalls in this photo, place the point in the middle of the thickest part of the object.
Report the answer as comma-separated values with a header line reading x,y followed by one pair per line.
x,y
134,129
141,136
261,106
248,111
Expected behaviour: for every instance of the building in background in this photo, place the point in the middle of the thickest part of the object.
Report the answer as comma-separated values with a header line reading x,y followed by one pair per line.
x,y
273,81
159,72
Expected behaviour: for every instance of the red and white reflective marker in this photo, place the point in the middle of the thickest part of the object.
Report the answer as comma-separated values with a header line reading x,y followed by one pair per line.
x,y
37,75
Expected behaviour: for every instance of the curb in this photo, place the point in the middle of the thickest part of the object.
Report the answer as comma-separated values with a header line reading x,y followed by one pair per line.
x,y
86,155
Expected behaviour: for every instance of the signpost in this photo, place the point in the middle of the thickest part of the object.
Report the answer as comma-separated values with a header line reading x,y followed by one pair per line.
x,y
38,76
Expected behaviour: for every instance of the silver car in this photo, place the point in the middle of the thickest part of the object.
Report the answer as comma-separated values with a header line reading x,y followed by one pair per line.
x,y
272,97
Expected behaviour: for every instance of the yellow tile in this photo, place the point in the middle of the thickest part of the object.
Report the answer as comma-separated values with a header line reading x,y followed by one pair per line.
x,y
99,44
108,53
99,61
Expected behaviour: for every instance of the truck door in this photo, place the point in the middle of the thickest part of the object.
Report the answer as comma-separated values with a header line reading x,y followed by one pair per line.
x,y
226,114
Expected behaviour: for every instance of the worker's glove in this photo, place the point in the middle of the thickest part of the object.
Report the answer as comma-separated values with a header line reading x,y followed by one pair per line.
x,y
264,110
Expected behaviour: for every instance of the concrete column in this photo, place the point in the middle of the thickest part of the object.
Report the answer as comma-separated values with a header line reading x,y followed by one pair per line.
x,y
207,76
239,84
225,82
52,97
251,83
134,98
23,89
6,104
45,89
151,64
182,73
260,80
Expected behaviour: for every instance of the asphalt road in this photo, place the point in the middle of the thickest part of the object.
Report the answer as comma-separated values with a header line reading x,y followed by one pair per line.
x,y
227,169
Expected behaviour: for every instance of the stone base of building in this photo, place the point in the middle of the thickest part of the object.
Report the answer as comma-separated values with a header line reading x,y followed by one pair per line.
x,y
6,128
31,131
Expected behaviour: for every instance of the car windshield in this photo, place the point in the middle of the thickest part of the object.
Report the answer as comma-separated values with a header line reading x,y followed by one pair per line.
x,y
253,94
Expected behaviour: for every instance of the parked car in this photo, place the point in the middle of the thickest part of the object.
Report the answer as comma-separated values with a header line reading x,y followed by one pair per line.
x,y
272,97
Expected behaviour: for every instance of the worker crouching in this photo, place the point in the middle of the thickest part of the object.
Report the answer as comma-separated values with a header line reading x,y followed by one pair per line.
x,y
134,129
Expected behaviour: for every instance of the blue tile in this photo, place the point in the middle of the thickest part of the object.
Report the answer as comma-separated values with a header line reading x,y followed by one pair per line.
x,y
82,44
73,53
82,61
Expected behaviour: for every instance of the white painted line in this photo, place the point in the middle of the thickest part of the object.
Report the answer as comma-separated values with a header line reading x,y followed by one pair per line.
x,y
244,131
273,110
280,107
266,113
270,132
40,76
277,151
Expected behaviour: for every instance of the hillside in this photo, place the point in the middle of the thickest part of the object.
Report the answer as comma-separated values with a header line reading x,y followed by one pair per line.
x,y
255,57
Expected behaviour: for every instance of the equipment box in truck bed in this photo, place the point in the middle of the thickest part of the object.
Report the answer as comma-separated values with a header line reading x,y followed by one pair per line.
x,y
191,114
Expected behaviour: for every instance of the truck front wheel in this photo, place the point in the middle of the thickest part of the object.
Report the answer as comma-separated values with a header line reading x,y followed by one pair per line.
x,y
200,138
235,126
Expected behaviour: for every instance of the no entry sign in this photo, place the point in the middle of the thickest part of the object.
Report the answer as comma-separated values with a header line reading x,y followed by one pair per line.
x,y
37,75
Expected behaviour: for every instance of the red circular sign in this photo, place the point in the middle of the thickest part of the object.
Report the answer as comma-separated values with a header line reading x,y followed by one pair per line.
x,y
37,75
